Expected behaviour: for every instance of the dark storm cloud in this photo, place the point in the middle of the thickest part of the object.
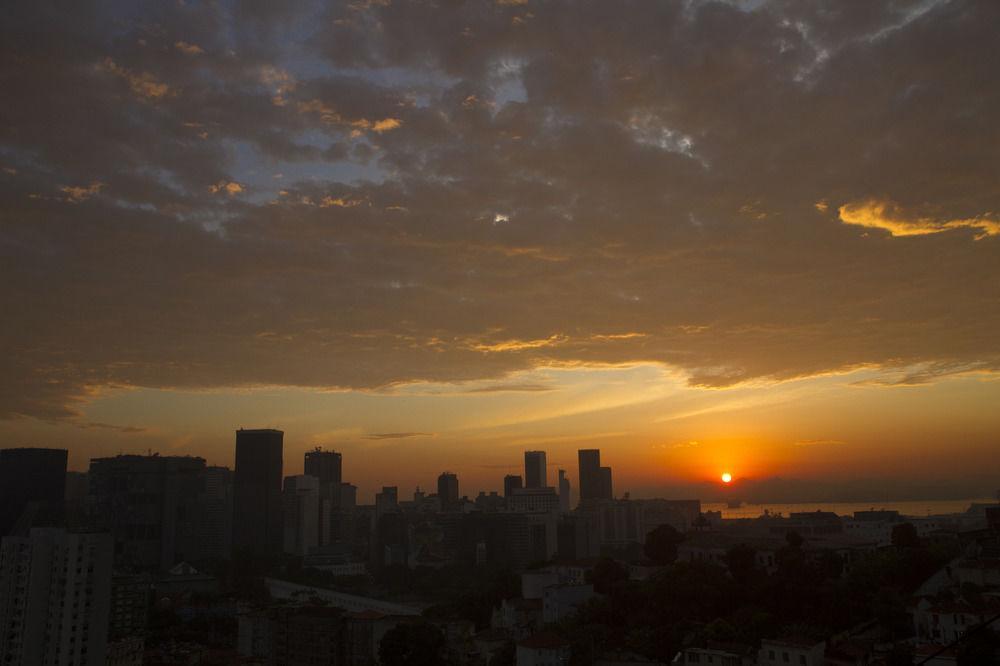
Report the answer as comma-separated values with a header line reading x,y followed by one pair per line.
x,y
741,193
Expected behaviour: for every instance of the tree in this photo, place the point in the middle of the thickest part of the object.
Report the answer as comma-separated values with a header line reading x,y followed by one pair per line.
x,y
900,655
412,644
905,535
794,540
742,562
606,574
980,647
661,544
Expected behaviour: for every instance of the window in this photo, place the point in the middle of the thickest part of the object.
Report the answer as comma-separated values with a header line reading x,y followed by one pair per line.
x,y
784,657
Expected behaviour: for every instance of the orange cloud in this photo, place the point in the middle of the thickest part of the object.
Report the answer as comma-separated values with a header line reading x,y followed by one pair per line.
x,y
886,215
231,188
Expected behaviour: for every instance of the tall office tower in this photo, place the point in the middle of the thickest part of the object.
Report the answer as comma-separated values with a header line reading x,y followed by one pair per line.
x,y
605,484
324,465
55,591
563,491
300,501
510,482
30,475
590,473
257,492
534,469
448,489
150,506
342,514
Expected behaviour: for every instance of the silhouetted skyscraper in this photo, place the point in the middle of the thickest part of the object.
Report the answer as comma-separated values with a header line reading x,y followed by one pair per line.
x,y
30,475
564,504
534,469
324,465
257,492
510,482
448,489
387,501
590,473
607,491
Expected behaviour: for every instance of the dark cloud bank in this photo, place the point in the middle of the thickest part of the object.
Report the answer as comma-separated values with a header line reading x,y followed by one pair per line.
x,y
467,189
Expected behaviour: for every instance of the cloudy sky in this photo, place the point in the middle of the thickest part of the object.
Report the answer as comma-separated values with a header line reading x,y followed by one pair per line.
x,y
758,237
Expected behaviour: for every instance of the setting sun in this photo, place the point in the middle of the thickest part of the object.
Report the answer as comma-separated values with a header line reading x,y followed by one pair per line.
x,y
726,477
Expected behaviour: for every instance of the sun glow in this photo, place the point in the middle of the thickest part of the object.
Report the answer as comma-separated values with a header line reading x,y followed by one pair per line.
x,y
726,477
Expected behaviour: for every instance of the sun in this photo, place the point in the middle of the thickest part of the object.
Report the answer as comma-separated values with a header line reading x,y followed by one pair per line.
x,y
726,477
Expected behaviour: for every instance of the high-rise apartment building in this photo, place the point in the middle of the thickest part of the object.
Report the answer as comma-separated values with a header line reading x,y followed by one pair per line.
x,y
150,506
534,469
257,506
55,591
30,475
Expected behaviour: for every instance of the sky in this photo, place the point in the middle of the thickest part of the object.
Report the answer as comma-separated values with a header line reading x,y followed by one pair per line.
x,y
751,237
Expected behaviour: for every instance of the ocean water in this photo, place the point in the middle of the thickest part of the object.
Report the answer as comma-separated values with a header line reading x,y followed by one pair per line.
x,y
910,508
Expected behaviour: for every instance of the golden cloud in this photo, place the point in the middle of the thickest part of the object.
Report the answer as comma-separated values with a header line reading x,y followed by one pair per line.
x,y
874,214
143,84
331,116
340,202
188,49
231,188
520,345
76,194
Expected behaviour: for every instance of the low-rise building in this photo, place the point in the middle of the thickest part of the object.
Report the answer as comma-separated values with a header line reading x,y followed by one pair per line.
x,y
560,601
791,651
543,649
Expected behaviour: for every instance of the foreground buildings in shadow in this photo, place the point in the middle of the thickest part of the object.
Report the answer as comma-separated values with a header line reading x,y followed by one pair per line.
x,y
166,560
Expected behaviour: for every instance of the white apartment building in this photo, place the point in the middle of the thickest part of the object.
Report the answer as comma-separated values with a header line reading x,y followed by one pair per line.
x,y
55,596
